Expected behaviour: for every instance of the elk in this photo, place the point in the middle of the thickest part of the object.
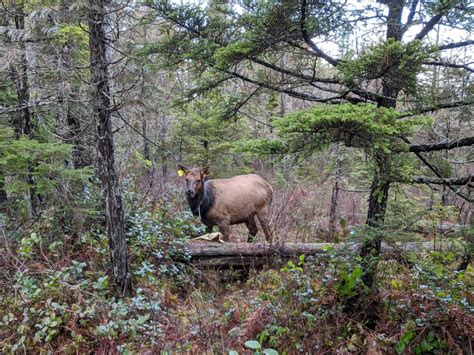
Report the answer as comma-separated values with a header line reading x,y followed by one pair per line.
x,y
224,202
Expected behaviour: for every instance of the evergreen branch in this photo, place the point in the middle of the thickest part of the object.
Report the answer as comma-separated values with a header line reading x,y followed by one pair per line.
x,y
167,14
368,95
355,190
307,78
437,173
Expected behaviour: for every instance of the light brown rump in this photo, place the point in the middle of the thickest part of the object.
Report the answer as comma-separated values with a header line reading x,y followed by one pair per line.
x,y
239,198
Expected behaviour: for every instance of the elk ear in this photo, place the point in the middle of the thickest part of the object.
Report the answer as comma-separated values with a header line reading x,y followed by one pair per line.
x,y
205,171
182,170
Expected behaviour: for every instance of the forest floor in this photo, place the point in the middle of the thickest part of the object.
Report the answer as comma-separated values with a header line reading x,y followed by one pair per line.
x,y
57,296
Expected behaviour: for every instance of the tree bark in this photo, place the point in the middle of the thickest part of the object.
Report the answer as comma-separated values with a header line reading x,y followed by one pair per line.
x,y
446,145
146,144
335,199
394,19
370,250
23,126
254,254
70,125
3,195
381,182
468,254
79,157
378,198
115,224
465,180
391,82
333,209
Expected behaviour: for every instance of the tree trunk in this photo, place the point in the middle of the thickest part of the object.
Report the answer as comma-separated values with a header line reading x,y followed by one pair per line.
x,y
105,147
3,195
335,198
379,189
23,126
469,249
4,18
79,156
146,144
378,198
333,209
70,126
70,129
282,78
207,155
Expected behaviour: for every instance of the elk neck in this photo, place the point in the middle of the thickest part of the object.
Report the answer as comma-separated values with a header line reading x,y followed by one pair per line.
x,y
203,201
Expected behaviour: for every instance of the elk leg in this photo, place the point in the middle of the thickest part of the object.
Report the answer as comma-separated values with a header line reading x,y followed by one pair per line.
x,y
225,230
208,228
264,218
252,227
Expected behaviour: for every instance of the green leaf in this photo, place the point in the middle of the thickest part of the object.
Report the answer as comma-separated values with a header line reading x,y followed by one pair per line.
x,y
270,351
252,344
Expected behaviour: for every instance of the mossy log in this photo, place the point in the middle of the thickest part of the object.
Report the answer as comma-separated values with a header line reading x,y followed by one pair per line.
x,y
255,254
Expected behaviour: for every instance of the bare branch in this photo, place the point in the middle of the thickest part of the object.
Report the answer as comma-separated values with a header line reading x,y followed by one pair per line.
x,y
456,45
411,15
429,26
292,93
443,181
146,138
235,110
436,108
450,65
309,41
355,190
436,171
255,120
308,78
447,145
39,102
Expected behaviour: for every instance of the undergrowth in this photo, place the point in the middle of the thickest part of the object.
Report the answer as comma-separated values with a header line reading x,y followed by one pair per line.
x,y
55,296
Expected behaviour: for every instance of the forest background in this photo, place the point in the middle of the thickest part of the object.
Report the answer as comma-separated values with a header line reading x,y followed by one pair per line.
x,y
358,113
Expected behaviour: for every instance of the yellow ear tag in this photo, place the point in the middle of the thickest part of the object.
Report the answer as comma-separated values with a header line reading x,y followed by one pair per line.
x,y
180,172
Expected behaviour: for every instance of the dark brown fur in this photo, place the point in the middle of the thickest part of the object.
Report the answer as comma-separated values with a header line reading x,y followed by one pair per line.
x,y
224,202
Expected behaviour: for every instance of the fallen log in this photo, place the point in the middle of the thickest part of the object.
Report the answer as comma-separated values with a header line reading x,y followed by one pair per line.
x,y
255,254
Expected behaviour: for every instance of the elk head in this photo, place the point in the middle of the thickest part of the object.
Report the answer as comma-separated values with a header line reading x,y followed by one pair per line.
x,y
194,178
